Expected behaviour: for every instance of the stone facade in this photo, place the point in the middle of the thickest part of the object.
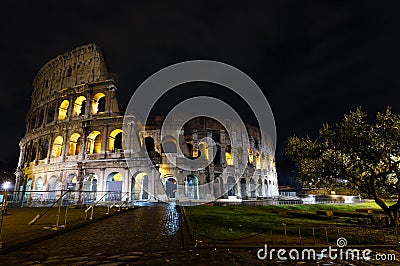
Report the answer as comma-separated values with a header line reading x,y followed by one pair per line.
x,y
74,140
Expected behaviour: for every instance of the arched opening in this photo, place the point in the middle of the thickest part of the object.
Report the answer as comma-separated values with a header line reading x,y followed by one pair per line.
x,y
74,145
266,188
69,72
192,187
229,155
44,149
240,156
252,188
57,147
149,143
217,158
52,188
50,114
243,188
250,159
171,186
28,189
94,142
38,195
154,156
79,106
115,140
33,153
218,187
89,188
70,184
203,150
40,118
259,188
263,161
114,186
99,103
258,160
231,186
63,110
169,147
189,152
140,186
32,122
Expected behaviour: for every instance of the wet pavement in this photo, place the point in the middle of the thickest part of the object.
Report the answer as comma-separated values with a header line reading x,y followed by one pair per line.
x,y
145,236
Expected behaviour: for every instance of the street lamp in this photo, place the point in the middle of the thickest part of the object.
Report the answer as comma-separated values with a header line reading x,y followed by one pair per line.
x,y
6,185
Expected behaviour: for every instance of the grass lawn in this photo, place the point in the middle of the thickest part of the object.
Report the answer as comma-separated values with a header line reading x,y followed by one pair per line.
x,y
241,222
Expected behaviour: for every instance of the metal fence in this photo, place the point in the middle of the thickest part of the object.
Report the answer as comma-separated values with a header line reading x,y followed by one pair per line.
x,y
69,197
298,235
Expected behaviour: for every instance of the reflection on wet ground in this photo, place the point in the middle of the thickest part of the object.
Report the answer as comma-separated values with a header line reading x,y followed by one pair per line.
x,y
171,219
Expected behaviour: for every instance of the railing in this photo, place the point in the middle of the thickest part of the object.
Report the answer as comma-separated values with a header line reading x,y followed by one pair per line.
x,y
37,217
111,200
40,198
299,235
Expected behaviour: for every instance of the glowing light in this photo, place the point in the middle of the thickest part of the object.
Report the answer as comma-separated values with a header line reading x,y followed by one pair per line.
x,y
6,185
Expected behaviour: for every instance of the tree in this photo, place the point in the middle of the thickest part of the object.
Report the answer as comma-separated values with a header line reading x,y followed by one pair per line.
x,y
366,155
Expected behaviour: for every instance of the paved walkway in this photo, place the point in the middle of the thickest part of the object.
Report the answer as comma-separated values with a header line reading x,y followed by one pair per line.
x,y
144,236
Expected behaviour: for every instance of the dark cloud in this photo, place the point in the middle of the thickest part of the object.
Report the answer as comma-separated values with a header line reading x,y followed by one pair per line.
x,y
315,60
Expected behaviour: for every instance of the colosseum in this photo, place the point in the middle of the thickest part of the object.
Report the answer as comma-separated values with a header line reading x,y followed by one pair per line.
x,y
75,142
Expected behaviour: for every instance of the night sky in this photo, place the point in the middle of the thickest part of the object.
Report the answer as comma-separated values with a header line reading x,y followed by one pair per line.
x,y
314,60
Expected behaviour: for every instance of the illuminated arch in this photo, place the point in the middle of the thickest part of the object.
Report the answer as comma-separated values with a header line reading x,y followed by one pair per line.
x,y
140,186
171,186
260,187
203,150
229,155
115,140
243,185
79,106
74,145
258,160
192,186
263,161
63,110
52,186
98,103
250,160
231,186
114,186
90,188
252,188
57,147
94,142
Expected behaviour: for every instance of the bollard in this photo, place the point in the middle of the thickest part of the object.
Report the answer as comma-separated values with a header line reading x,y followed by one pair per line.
x,y
285,233
272,241
300,235
326,236
313,235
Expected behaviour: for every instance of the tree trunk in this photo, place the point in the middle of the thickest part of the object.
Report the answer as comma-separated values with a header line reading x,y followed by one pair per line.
x,y
394,215
391,211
